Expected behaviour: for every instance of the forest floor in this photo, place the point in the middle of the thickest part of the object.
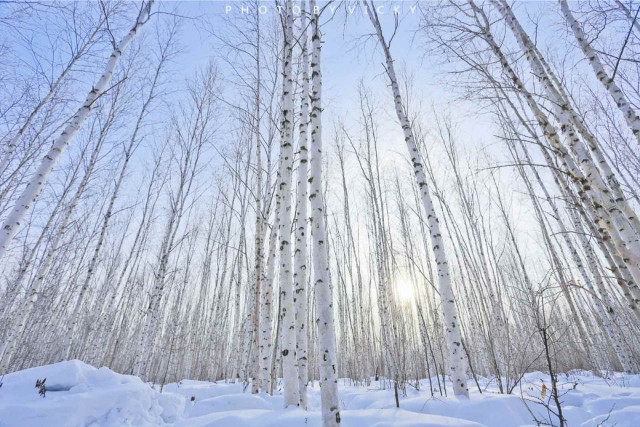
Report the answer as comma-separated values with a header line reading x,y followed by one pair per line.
x,y
81,395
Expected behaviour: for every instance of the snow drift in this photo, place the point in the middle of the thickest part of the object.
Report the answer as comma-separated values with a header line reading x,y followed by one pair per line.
x,y
81,395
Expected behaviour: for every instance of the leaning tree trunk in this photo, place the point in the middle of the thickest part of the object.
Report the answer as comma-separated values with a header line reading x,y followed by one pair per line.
x,y
322,287
457,358
613,213
17,138
34,187
26,307
590,194
616,93
93,263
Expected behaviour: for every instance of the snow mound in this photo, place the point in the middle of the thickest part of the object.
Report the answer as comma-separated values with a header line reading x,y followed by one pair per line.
x,y
298,417
401,418
231,402
200,390
491,411
81,395
78,395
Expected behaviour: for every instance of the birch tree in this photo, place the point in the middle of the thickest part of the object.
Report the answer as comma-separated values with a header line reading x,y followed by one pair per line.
x,y
457,359
34,187
259,232
192,131
300,253
164,55
287,309
620,100
321,280
613,214
16,140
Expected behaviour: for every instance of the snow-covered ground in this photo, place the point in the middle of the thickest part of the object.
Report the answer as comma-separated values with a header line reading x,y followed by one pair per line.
x,y
80,395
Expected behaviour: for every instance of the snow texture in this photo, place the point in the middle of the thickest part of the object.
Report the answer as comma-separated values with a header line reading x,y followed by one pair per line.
x,y
81,395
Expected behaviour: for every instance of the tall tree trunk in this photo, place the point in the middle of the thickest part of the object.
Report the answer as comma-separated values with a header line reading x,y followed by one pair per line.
x,y
300,254
457,358
322,287
287,310
259,233
616,93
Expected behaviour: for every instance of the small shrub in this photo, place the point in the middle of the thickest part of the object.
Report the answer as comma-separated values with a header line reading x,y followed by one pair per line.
x,y
42,388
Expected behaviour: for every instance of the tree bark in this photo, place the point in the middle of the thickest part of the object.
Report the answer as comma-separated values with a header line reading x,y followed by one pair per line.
x,y
321,281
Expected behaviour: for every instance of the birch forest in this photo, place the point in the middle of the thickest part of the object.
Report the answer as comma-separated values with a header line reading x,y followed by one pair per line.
x,y
417,197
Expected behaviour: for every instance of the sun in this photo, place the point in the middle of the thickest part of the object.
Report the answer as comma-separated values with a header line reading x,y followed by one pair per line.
x,y
404,289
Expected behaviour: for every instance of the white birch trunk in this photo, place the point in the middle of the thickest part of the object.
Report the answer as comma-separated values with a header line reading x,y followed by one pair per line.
x,y
34,187
457,360
287,311
259,233
616,93
630,16
266,307
321,281
266,294
300,254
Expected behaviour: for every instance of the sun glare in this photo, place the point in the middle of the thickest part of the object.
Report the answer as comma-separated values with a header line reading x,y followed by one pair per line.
x,y
404,290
